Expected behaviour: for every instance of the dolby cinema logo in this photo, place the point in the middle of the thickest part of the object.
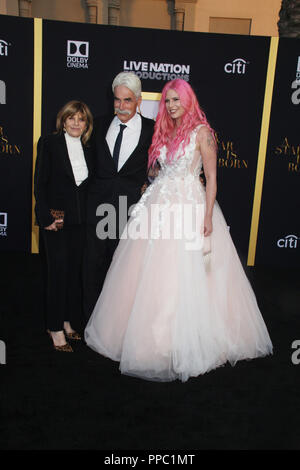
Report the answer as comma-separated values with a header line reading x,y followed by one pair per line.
x,y
77,54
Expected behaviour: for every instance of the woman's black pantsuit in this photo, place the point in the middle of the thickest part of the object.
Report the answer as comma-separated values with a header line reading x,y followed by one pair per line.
x,y
62,250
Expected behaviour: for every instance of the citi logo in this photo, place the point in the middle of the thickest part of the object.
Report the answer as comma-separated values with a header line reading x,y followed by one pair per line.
x,y
289,241
237,66
78,49
3,47
2,92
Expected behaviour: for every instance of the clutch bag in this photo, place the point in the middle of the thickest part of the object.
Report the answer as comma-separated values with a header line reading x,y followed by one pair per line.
x,y
58,214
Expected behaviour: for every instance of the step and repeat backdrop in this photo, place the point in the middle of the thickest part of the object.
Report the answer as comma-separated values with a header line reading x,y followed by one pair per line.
x,y
16,125
233,78
279,227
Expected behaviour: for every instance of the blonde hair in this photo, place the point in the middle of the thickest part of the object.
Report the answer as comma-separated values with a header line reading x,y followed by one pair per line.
x,y
68,110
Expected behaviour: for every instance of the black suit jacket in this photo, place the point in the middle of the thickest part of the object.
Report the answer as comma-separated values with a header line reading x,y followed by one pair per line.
x,y
107,183
54,182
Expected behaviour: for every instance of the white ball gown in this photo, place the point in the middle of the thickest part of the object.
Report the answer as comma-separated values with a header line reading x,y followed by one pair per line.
x,y
170,307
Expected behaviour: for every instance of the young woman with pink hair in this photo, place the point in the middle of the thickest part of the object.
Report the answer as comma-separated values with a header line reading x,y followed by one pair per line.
x,y
176,302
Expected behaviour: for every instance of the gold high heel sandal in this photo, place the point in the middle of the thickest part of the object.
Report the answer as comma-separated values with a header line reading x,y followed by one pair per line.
x,y
74,335
64,348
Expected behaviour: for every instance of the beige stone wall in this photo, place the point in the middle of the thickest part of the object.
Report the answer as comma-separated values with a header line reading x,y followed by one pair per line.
x,y
145,14
158,13
12,7
3,10
264,14
64,10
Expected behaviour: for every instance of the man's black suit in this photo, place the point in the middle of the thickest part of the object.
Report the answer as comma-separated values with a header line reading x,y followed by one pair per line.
x,y
106,187
62,250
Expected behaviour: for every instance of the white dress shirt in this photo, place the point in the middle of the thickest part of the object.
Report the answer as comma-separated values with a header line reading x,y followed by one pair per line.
x,y
77,159
131,136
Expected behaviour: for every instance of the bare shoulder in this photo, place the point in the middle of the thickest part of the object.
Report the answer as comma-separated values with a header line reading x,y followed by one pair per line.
x,y
205,138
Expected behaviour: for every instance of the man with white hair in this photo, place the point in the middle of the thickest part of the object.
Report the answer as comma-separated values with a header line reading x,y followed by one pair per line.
x,y
121,152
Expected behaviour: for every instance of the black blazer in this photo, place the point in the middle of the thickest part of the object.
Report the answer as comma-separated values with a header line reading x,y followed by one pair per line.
x,y
107,183
54,182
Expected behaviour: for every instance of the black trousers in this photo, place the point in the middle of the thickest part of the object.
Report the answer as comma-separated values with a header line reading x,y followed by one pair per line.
x,y
96,261
62,254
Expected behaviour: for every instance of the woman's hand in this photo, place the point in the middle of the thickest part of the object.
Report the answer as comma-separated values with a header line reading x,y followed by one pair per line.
x,y
153,172
208,227
53,226
143,188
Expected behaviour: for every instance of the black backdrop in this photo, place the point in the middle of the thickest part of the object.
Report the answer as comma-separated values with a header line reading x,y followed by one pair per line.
x,y
16,120
228,73
232,101
279,228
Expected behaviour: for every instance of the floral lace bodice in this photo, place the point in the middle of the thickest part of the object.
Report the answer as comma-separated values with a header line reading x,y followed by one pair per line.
x,y
187,166
177,181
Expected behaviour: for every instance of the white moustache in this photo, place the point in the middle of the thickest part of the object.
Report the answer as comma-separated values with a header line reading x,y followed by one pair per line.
x,y
120,111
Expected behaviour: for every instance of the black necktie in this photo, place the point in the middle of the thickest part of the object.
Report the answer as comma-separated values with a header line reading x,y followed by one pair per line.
x,y
117,146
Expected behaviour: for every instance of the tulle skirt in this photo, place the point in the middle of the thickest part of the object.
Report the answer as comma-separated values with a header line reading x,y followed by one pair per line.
x,y
168,311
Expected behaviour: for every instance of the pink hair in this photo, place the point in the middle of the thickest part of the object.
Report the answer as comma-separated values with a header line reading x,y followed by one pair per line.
x,y
165,125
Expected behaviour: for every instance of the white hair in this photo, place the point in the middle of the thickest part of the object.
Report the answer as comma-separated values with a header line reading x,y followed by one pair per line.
x,y
130,80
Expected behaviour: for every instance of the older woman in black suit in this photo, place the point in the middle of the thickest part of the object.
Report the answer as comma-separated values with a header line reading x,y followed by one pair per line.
x,y
62,173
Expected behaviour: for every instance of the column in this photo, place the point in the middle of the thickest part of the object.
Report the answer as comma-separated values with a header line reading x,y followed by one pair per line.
x,y
25,8
179,18
3,9
92,7
114,12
